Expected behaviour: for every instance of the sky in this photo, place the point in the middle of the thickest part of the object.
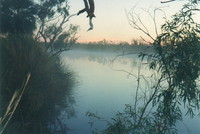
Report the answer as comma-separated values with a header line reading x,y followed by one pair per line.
x,y
111,22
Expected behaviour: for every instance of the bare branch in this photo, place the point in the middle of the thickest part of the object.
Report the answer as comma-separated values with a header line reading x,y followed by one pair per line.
x,y
136,24
167,1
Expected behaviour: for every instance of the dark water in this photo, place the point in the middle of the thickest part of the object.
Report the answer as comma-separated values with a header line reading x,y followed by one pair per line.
x,y
105,88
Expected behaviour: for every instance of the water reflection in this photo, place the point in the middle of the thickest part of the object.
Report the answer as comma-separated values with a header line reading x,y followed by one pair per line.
x,y
102,57
105,87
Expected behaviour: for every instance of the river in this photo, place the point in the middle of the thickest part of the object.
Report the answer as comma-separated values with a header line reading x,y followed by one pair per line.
x,y
105,86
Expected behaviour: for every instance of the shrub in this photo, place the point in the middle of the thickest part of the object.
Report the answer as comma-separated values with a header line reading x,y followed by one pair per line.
x,y
48,93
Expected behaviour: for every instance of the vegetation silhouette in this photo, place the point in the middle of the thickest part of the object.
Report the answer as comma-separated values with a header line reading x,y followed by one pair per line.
x,y
42,104
174,83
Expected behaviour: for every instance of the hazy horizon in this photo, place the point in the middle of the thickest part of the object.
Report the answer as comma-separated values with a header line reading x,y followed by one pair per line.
x,y
111,21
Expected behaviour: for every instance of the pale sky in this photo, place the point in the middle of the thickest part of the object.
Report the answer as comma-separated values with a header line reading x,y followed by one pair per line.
x,y
111,21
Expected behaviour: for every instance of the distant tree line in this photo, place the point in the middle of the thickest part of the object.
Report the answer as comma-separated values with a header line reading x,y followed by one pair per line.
x,y
110,46
173,84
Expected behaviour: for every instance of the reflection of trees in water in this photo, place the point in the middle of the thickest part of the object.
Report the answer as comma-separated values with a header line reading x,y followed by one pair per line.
x,y
112,60
101,60
175,81
134,63
103,57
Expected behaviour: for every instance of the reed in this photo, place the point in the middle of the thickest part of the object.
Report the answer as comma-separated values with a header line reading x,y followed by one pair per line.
x,y
47,95
13,104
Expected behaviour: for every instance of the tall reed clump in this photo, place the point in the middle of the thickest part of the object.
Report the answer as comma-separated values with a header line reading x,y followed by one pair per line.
x,y
48,94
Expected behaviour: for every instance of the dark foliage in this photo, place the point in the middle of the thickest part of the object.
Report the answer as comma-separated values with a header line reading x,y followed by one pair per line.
x,y
46,8
177,56
49,91
176,61
22,16
17,16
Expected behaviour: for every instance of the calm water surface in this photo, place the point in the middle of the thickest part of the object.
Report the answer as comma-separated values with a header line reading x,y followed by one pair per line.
x,y
104,88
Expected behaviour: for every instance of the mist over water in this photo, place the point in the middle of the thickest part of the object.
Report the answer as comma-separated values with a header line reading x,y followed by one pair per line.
x,y
105,87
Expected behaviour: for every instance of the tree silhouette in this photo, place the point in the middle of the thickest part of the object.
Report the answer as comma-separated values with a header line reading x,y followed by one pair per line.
x,y
17,16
